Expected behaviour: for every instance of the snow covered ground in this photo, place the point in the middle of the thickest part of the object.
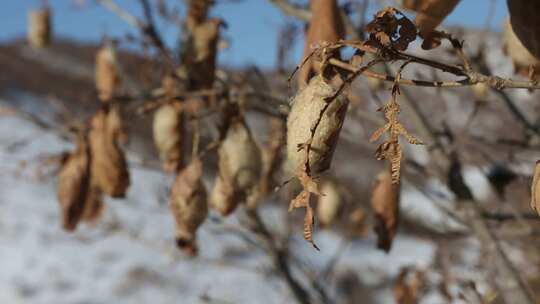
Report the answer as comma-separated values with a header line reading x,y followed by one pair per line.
x,y
130,256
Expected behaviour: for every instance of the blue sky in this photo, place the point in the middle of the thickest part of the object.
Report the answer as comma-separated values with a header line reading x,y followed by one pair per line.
x,y
252,32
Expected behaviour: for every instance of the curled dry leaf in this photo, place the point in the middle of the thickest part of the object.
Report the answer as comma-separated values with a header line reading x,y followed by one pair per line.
x,y
535,189
240,170
306,110
39,28
385,204
302,200
109,167
73,185
168,129
392,29
521,56
189,206
330,203
525,24
326,26
430,13
107,77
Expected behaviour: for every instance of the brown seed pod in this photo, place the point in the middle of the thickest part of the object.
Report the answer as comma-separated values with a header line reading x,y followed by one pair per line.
x,y
107,76
535,189
189,206
520,55
240,170
109,167
305,112
73,185
525,24
168,134
430,13
39,28
385,204
326,26
94,206
330,204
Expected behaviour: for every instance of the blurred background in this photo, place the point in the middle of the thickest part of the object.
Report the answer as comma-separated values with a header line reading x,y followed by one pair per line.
x,y
488,141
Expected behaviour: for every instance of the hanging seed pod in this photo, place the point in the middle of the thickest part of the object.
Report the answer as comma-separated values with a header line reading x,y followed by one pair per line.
x,y
73,185
535,189
240,169
107,76
520,55
109,167
330,204
385,204
430,13
272,155
168,133
325,26
188,205
39,28
525,24
305,112
94,207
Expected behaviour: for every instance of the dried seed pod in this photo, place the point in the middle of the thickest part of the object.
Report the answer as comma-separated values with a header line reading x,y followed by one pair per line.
x,y
272,155
240,169
168,133
305,112
525,24
107,76
109,167
330,204
430,13
520,55
535,189
94,207
326,26
39,28
189,206
385,204
73,185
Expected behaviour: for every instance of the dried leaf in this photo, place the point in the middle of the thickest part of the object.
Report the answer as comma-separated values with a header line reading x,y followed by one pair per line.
x,y
107,76
305,112
168,129
39,28
73,185
326,26
535,189
391,31
109,167
94,207
525,24
240,169
522,58
430,13
385,204
189,206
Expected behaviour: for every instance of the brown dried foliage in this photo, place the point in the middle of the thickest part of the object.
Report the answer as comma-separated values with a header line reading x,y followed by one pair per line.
x,y
73,185
525,24
189,206
385,205
430,13
326,26
391,29
39,28
109,167
522,58
107,76
535,189
240,170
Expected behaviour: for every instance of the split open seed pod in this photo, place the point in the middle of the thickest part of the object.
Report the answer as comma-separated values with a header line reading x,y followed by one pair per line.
x,y
107,75
189,206
520,55
385,204
326,26
109,166
305,112
525,24
73,185
535,189
240,170
330,204
39,28
430,13
168,136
